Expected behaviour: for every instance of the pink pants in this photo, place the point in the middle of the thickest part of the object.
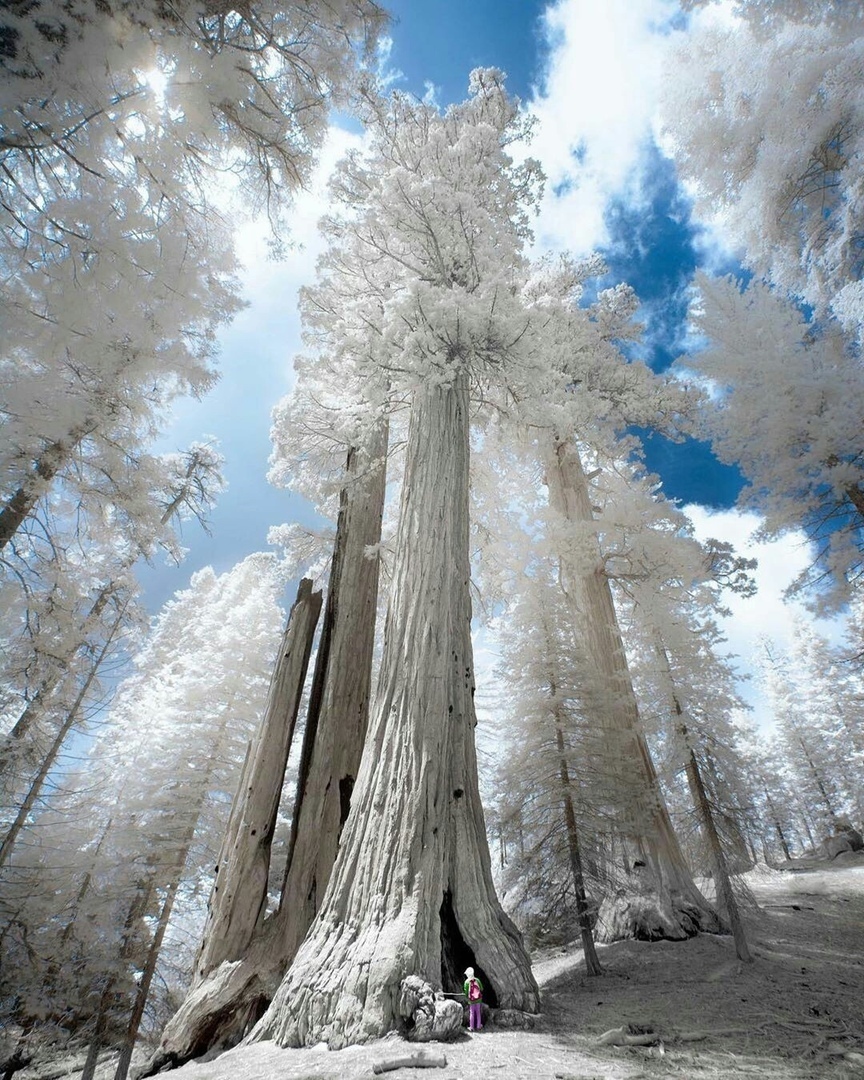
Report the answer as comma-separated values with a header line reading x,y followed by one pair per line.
x,y
475,1016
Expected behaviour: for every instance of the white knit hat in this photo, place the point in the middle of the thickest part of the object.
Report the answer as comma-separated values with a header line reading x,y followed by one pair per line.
x,y
469,972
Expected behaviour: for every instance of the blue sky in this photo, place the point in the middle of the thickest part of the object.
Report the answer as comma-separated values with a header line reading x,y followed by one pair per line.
x,y
592,73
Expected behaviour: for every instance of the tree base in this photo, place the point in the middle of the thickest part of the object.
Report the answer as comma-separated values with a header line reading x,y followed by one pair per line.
x,y
216,1014
643,914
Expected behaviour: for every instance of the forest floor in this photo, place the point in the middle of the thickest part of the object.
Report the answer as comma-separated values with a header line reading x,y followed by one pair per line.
x,y
795,1013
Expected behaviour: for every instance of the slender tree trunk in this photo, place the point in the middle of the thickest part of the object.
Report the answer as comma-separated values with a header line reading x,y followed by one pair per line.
x,y
818,781
727,902
592,963
155,949
239,896
659,898
725,893
411,892
14,739
51,460
147,974
777,826
805,821
137,909
59,739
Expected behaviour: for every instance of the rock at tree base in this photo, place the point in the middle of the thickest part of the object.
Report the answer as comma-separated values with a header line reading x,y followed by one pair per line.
x,y
512,1019
426,1017
832,846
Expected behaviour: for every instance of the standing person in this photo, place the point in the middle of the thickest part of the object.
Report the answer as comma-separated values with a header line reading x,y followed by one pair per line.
x,y
474,992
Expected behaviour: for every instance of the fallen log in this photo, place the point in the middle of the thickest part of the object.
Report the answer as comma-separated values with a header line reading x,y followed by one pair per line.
x,y
421,1060
624,1036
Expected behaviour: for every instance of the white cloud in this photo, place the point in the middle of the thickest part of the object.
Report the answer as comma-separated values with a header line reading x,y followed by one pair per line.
x,y
766,613
596,104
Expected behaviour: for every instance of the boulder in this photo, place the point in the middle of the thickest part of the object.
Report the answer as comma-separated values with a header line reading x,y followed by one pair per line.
x,y
832,846
428,1018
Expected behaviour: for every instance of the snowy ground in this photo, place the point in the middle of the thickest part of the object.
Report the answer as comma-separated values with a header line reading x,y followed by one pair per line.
x,y
795,1013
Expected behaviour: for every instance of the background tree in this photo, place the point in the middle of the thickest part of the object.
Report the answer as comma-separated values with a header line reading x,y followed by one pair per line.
x,y
136,833
771,143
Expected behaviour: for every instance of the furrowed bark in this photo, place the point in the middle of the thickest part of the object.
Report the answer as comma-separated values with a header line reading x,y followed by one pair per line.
x,y
239,895
668,905
339,703
411,891
221,1007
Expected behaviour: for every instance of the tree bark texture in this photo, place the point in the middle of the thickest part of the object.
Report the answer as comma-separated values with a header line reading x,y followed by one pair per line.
x,y
221,1007
339,702
411,892
725,894
669,904
239,896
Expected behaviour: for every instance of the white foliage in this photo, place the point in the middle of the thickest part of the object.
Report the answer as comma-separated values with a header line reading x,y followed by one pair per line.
x,y
786,407
765,113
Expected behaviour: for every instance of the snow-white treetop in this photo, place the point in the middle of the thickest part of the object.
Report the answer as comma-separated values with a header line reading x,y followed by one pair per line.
x,y
766,117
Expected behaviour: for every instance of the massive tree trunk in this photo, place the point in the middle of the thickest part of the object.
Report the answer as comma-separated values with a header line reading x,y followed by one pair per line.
x,y
239,896
411,891
220,1007
658,898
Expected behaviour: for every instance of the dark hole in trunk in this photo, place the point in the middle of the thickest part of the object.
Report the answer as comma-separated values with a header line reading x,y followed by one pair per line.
x,y
346,786
457,954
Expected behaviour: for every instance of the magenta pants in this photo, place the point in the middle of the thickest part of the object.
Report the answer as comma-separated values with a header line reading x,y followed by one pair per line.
x,y
475,1016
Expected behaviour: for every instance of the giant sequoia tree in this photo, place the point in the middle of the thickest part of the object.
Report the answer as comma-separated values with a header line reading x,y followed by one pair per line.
x,y
443,208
